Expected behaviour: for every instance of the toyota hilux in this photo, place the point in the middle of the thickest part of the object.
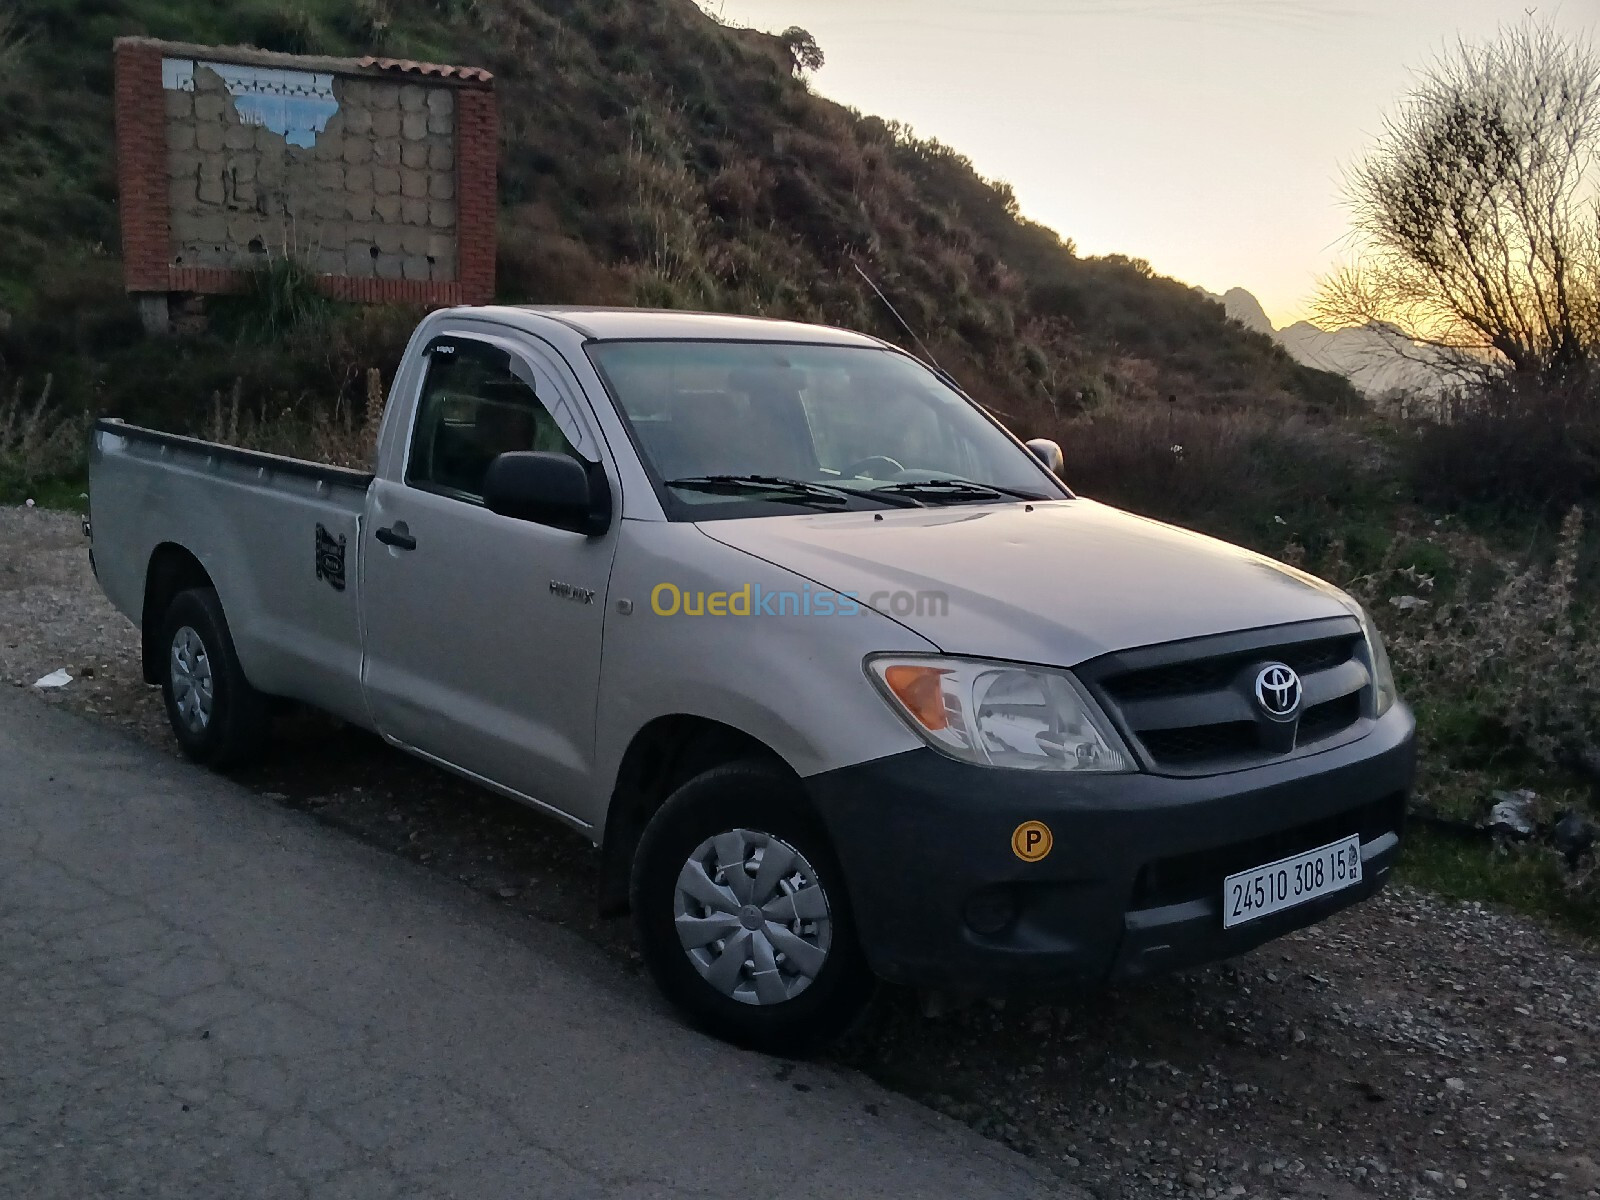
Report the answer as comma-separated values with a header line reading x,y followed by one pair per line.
x,y
841,676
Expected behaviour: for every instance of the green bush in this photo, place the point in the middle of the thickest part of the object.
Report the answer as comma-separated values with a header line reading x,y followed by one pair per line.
x,y
280,299
1511,670
38,443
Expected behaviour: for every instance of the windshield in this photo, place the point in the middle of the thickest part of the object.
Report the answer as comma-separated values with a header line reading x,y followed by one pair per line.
x,y
755,428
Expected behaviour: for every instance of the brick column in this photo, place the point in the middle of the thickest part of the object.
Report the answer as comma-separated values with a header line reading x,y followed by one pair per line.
x,y
477,193
141,133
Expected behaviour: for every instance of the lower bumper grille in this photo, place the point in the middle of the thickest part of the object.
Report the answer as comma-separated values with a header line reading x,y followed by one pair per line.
x,y
1196,876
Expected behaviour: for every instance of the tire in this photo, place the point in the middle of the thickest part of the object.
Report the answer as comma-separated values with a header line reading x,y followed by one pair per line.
x,y
219,720
796,983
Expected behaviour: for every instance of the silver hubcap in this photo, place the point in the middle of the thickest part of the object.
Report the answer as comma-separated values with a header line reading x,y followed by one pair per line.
x,y
191,680
752,917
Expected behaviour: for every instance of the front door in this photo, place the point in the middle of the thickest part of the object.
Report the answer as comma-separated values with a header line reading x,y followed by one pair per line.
x,y
482,633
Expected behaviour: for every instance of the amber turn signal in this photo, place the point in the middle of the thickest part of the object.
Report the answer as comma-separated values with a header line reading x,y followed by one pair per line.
x,y
918,689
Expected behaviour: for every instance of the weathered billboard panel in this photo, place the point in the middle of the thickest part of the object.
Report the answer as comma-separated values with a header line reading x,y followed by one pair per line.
x,y
378,174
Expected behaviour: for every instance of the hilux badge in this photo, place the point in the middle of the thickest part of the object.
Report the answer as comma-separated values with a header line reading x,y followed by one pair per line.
x,y
568,592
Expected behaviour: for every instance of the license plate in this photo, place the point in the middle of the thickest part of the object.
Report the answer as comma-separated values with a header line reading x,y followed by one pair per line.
x,y
1262,891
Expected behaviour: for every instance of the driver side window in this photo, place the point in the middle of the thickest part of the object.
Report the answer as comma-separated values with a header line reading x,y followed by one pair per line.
x,y
473,408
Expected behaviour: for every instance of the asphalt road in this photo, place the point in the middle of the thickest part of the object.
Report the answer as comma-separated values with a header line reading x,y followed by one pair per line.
x,y
203,994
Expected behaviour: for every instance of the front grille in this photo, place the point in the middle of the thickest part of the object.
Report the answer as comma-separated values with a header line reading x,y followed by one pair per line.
x,y
1176,679
1334,716
1191,705
1201,743
1195,876
1210,674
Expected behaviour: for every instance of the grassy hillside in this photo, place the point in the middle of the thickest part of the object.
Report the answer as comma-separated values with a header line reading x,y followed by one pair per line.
x,y
649,155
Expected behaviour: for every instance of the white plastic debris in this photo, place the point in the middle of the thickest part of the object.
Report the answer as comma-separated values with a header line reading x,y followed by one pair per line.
x,y
1512,814
56,679
28,503
1408,603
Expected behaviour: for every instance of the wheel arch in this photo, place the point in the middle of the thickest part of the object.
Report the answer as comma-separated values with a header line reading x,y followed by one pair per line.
x,y
664,754
172,569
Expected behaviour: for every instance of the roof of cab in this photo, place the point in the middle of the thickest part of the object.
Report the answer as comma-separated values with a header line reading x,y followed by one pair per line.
x,y
628,324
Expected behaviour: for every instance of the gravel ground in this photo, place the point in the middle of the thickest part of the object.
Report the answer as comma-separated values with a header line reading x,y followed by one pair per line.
x,y
1408,1048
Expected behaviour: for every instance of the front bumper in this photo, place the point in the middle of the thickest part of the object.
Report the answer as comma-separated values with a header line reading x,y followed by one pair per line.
x,y
1133,882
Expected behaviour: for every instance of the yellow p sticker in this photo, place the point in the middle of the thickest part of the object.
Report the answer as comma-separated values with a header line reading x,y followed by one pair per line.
x,y
1031,841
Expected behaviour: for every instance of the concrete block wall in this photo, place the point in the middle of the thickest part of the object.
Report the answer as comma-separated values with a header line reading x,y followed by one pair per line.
x,y
374,196
385,183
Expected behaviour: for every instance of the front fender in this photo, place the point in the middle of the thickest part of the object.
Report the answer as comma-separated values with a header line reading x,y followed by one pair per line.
x,y
793,682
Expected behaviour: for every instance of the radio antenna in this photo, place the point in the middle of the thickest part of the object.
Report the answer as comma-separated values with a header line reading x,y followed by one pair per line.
x,y
921,345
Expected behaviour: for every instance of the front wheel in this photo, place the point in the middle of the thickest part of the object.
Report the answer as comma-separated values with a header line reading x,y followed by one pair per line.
x,y
742,914
218,718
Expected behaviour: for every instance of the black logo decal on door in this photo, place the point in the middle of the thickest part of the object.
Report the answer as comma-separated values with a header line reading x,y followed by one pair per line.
x,y
330,558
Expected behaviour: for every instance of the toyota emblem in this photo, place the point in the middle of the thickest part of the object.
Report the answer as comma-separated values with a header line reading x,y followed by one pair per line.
x,y
1278,691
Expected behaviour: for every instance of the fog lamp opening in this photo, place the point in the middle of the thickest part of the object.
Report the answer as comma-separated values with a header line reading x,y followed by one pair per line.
x,y
991,910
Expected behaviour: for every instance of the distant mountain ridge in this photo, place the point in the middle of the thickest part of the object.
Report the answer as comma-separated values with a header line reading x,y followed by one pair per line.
x,y
1378,359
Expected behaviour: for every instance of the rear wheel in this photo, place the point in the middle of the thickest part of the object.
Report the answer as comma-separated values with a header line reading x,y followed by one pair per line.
x,y
217,717
742,914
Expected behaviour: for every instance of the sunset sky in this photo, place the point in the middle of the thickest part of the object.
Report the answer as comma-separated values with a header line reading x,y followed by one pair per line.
x,y
1204,135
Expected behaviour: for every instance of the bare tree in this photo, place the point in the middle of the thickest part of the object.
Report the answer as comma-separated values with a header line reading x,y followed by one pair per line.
x,y
1476,217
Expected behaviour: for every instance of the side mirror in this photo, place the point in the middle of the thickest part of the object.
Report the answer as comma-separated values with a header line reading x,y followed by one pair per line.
x,y
548,489
1049,453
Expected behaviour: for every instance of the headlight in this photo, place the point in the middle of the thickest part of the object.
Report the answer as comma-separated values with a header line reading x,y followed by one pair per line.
x,y
1383,689
997,715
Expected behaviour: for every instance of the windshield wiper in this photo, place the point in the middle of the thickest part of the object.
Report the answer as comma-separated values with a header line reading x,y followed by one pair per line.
x,y
956,489
780,483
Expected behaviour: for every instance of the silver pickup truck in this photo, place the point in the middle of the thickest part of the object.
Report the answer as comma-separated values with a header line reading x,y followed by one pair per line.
x,y
843,679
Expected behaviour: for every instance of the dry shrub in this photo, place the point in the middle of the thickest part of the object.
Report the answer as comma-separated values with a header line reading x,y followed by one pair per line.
x,y
538,263
1513,446
1511,650
340,437
666,218
738,192
37,442
1247,476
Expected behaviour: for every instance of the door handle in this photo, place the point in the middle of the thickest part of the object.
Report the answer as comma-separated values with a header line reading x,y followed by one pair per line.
x,y
395,535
